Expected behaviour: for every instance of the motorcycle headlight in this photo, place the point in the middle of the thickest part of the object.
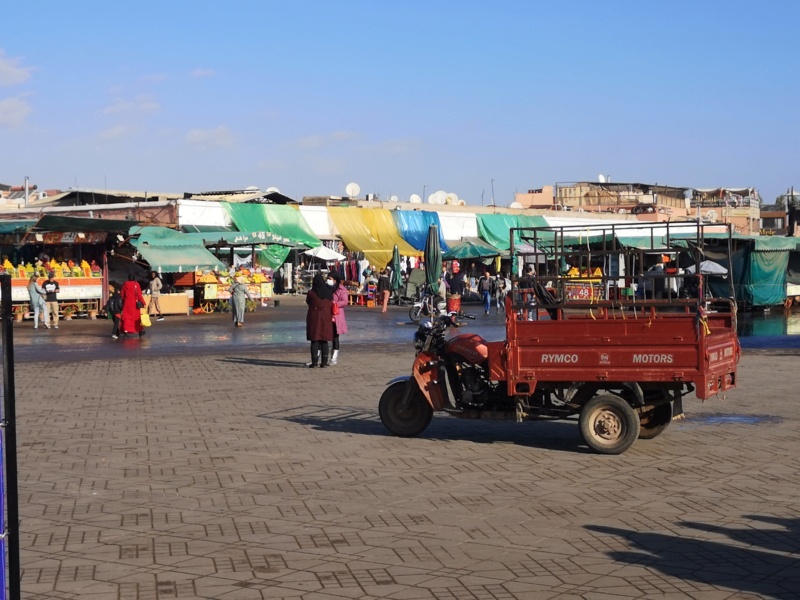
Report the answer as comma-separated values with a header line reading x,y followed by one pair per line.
x,y
422,334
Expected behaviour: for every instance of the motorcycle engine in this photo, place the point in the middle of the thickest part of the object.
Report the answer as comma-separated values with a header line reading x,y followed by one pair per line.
x,y
475,390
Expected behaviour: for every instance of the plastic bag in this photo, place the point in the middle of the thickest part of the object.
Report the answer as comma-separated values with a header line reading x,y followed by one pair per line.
x,y
334,309
145,318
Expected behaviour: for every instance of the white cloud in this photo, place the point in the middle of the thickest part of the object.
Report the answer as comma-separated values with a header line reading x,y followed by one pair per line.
x,y
153,78
139,103
396,147
218,137
272,164
114,133
319,141
310,142
202,73
344,135
13,112
327,166
11,73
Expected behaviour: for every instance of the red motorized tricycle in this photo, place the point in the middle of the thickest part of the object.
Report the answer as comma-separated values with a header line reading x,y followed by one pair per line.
x,y
620,355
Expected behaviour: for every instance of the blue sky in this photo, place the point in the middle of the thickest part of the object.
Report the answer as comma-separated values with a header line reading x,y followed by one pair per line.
x,y
399,97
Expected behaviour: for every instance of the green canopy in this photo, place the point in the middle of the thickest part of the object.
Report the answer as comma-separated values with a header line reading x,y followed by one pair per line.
x,y
496,229
471,248
207,228
169,251
281,220
58,223
240,238
161,236
8,227
180,259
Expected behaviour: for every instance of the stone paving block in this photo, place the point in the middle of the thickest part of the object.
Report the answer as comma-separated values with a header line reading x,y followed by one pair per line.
x,y
246,476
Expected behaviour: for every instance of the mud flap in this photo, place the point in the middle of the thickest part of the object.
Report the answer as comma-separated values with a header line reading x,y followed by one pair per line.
x,y
677,408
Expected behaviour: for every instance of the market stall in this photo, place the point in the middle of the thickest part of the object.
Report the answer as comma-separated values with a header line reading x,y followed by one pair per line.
x,y
212,292
74,249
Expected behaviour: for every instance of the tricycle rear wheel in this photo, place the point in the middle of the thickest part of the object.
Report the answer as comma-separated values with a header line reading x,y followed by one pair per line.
x,y
608,424
653,422
405,419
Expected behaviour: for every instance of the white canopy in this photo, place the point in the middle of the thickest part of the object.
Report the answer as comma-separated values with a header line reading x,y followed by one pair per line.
x,y
324,253
709,267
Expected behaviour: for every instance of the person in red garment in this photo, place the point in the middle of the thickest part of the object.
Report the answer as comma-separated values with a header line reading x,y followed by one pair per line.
x,y
132,302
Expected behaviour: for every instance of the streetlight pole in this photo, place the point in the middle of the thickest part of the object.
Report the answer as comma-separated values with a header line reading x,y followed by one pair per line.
x,y
423,193
493,192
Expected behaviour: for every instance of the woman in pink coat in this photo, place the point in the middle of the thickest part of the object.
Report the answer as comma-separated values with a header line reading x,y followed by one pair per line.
x,y
339,322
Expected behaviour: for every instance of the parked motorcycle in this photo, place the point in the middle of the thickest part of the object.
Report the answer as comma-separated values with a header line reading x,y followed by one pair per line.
x,y
429,305
404,409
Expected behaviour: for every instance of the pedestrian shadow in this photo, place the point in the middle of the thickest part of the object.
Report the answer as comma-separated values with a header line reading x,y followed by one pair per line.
x,y
263,362
543,435
770,572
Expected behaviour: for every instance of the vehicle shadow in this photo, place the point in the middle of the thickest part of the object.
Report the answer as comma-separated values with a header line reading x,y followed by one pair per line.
x,y
263,362
770,572
543,435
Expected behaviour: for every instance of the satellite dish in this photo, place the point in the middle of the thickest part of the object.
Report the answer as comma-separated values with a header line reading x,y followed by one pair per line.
x,y
515,205
440,195
451,198
271,190
252,188
394,199
415,199
601,178
461,202
352,189
432,199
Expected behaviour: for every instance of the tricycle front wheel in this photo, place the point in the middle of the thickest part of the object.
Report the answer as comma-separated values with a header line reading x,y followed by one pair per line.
x,y
404,418
608,424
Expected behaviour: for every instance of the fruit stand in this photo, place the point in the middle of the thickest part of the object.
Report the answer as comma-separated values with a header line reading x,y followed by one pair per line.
x,y
212,292
81,286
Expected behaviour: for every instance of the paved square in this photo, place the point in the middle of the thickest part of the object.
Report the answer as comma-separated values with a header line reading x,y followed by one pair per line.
x,y
248,476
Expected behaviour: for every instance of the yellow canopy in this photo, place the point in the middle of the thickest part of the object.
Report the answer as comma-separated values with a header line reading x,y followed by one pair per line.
x,y
371,231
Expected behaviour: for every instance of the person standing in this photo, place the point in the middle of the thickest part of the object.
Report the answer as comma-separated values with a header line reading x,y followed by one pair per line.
x,y
339,321
155,286
114,309
37,294
132,303
486,286
384,289
503,285
319,320
525,286
51,289
239,297
473,277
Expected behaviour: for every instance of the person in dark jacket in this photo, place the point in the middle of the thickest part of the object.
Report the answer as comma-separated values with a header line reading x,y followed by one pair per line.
x,y
114,309
319,320
384,289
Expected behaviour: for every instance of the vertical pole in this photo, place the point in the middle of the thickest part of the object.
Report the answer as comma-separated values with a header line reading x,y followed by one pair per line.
x,y
10,431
